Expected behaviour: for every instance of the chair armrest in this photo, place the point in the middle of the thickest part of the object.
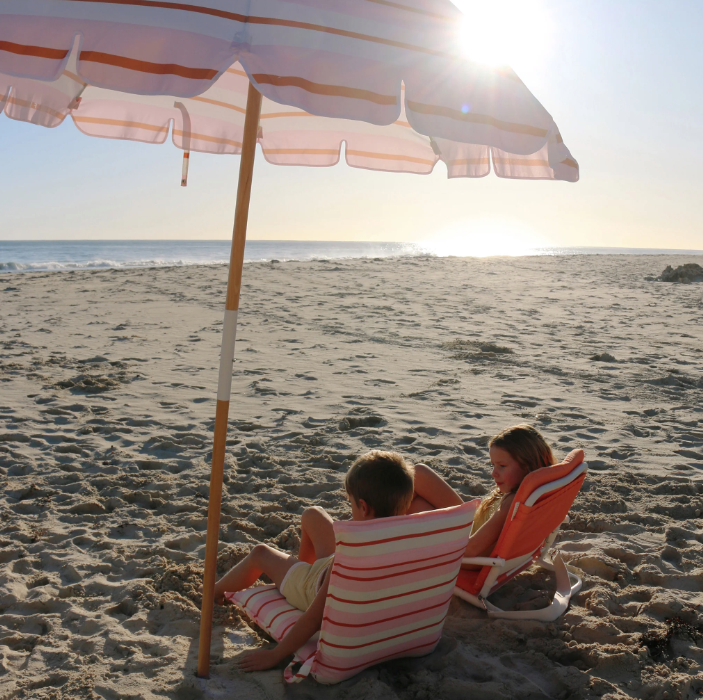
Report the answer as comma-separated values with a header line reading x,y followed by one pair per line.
x,y
483,561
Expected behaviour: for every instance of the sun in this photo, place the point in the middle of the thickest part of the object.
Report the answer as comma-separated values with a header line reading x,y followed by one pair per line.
x,y
505,32
485,238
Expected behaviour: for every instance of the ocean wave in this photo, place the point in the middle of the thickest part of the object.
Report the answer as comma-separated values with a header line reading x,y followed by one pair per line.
x,y
67,256
54,266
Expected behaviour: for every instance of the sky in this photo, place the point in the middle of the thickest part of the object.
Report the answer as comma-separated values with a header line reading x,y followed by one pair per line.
x,y
621,79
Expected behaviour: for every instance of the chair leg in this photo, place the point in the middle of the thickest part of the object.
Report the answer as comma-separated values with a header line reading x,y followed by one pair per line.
x,y
574,580
474,600
567,585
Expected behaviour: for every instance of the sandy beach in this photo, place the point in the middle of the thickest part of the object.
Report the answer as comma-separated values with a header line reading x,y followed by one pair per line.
x,y
107,398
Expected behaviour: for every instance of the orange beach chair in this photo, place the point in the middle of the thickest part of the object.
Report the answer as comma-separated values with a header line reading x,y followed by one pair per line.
x,y
540,507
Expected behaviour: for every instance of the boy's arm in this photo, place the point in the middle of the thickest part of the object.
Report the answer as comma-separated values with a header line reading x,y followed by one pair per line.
x,y
309,623
431,487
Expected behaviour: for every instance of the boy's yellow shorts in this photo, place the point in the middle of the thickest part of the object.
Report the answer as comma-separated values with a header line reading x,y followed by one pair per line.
x,y
302,581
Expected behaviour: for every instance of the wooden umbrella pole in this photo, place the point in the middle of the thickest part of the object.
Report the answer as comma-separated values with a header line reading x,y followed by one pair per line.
x,y
224,385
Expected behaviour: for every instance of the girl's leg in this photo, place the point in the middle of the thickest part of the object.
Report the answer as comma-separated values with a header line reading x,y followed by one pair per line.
x,y
432,491
261,560
316,535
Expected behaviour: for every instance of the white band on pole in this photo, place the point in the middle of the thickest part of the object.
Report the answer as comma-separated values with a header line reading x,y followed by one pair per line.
x,y
229,333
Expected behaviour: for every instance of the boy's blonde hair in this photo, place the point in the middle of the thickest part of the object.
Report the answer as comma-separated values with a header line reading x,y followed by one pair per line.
x,y
384,480
527,447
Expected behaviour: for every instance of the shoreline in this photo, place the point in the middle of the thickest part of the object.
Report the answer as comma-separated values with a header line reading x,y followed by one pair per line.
x,y
331,260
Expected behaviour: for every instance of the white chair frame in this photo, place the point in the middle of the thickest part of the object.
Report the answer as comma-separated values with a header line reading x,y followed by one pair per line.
x,y
568,584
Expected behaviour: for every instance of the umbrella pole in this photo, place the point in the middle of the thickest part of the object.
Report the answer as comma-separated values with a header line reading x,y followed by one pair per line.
x,y
224,385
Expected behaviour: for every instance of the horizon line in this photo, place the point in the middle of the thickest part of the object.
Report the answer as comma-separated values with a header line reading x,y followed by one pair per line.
x,y
285,240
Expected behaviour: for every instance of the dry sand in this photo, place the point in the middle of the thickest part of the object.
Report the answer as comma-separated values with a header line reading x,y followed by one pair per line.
x,y
107,385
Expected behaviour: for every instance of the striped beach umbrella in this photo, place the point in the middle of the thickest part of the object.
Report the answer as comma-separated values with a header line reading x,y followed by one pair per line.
x,y
386,78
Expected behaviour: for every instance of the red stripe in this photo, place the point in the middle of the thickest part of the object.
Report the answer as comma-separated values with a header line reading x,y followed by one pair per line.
x,y
283,612
403,563
233,16
417,10
403,537
303,662
268,602
405,652
399,595
387,619
38,51
285,631
322,89
147,66
438,110
379,641
307,658
264,589
400,573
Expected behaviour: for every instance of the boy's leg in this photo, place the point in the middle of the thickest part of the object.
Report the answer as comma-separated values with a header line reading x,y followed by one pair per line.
x,y
261,560
316,535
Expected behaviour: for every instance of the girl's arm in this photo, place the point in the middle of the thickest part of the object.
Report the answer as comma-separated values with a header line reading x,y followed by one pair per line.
x,y
309,623
432,491
482,542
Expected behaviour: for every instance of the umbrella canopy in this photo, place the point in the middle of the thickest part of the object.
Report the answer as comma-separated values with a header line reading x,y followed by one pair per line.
x,y
388,78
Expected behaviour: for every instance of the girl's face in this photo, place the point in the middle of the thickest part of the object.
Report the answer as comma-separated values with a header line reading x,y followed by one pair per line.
x,y
507,472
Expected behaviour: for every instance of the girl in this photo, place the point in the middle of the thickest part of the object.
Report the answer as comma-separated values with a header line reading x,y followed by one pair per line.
x,y
514,453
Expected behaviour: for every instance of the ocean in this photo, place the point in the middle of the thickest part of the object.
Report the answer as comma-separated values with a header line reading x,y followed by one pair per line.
x,y
35,256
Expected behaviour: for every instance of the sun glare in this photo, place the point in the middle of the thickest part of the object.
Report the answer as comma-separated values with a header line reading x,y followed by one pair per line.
x,y
484,239
505,32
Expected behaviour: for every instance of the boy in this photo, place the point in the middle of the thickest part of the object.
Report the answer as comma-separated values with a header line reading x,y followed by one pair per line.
x,y
379,485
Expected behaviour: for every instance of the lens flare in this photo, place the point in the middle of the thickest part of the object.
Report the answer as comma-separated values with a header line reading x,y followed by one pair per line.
x,y
505,32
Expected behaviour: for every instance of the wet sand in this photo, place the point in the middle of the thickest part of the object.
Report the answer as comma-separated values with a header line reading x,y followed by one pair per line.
x,y
107,399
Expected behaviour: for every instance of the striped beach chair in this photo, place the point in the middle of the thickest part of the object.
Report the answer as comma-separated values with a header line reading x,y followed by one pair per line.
x,y
390,587
541,505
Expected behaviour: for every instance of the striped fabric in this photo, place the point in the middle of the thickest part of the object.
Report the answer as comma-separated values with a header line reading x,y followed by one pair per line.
x,y
273,613
390,587
386,79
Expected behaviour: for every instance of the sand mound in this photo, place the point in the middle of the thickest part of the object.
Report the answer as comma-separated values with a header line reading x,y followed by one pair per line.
x,y
683,274
603,357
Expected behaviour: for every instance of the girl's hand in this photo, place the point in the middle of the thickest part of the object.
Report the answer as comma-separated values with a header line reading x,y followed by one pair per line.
x,y
258,660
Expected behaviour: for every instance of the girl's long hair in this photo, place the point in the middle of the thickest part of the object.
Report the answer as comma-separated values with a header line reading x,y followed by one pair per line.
x,y
527,447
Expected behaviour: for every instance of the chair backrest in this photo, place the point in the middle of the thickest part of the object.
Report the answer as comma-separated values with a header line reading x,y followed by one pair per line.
x,y
390,587
532,521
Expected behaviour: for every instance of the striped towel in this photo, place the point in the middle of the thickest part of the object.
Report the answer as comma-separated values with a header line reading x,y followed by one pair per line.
x,y
390,587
